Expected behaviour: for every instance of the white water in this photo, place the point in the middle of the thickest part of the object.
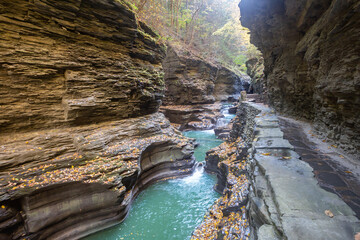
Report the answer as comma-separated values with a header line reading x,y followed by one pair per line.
x,y
196,176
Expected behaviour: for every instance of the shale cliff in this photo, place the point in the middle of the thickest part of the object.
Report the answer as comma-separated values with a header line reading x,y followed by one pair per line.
x,y
80,86
192,80
311,54
193,85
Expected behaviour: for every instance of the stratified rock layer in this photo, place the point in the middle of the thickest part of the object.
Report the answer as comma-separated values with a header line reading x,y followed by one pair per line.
x,y
255,69
193,117
67,183
311,52
66,63
80,85
192,80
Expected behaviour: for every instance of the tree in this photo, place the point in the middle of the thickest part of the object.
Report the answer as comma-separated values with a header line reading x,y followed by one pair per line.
x,y
210,28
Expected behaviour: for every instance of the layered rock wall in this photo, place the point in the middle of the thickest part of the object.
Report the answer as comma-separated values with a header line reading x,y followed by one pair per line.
x,y
66,63
192,80
255,69
311,54
80,136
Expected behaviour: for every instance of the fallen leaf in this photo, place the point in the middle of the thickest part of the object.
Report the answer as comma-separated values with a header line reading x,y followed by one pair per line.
x,y
286,157
357,236
329,213
266,154
348,171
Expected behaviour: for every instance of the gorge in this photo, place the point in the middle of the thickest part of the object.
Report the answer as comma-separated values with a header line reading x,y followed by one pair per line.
x,y
93,103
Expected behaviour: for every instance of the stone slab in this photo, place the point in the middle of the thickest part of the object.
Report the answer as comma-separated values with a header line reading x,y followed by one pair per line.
x,y
269,133
292,195
273,143
267,232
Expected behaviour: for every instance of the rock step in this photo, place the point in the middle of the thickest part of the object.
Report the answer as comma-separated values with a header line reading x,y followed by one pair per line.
x,y
331,176
287,201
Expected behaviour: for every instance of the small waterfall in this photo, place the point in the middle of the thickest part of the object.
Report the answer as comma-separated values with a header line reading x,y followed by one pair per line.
x,y
222,122
196,176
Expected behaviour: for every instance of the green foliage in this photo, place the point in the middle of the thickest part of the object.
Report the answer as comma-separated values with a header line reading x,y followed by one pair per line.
x,y
211,28
240,60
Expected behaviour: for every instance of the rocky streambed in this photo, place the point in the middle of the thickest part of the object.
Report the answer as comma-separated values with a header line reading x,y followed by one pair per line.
x,y
170,209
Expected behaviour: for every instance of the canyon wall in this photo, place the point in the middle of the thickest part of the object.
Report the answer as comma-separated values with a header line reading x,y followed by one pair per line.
x,y
193,85
311,56
193,80
80,86
255,70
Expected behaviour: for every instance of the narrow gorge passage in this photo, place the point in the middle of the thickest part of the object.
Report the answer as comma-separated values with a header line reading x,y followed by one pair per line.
x,y
108,106
173,208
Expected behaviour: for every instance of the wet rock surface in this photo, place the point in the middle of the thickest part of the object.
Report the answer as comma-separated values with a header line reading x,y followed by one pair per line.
x,y
331,176
280,192
286,195
227,218
311,59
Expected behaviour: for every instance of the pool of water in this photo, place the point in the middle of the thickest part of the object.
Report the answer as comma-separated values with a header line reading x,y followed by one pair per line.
x,y
170,210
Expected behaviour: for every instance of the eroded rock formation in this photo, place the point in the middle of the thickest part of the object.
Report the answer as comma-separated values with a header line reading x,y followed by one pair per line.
x,y
192,84
193,117
255,69
192,80
66,64
311,52
80,86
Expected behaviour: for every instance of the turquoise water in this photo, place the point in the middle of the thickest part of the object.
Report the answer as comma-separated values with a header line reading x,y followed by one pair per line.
x,y
170,210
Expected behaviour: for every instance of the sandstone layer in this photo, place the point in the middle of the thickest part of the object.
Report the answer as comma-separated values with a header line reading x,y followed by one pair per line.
x,y
193,80
311,56
67,63
192,85
193,117
80,84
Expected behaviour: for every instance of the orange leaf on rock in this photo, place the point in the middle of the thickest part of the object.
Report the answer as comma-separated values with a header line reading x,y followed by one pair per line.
x,y
329,213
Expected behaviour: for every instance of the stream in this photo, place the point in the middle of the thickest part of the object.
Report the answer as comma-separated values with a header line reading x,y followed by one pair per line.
x,y
170,209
